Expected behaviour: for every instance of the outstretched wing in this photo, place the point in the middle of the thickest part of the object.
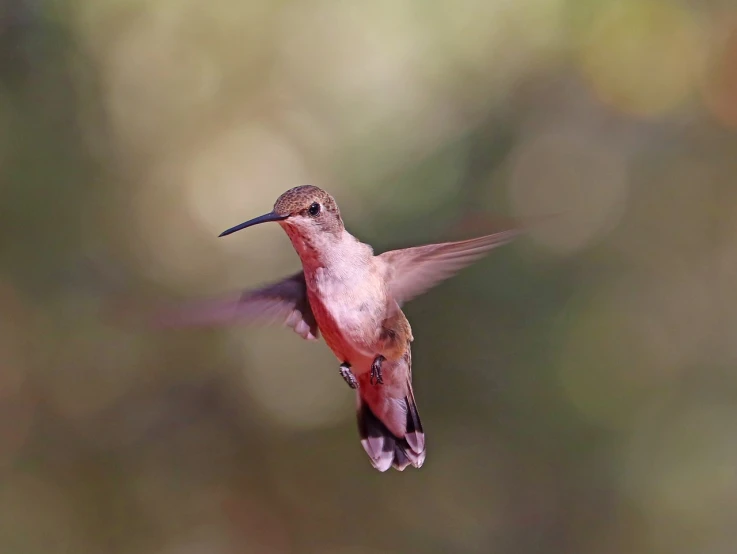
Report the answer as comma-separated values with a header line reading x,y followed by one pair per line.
x,y
413,271
285,301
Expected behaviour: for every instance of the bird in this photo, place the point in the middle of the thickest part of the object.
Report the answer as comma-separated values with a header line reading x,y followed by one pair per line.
x,y
354,299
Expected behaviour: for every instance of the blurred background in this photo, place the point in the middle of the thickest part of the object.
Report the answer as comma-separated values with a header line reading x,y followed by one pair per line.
x,y
577,387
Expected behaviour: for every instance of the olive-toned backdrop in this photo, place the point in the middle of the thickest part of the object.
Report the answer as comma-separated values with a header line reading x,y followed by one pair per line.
x,y
578,387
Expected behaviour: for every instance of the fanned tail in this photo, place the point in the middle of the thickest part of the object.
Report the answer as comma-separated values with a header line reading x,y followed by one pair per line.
x,y
388,421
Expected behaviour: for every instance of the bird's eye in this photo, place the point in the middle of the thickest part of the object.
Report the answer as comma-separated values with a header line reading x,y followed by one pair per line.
x,y
314,209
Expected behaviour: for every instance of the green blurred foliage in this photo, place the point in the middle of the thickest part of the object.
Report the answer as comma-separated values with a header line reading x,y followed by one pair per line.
x,y
577,387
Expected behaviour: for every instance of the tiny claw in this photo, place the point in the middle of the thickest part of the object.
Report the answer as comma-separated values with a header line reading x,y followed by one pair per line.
x,y
375,378
347,375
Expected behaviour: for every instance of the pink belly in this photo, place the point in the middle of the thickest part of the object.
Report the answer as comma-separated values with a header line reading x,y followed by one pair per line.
x,y
330,331
353,347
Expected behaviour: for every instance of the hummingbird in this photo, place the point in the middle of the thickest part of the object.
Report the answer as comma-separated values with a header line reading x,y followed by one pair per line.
x,y
354,298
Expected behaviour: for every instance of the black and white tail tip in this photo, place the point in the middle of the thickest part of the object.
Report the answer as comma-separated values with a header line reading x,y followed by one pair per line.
x,y
383,447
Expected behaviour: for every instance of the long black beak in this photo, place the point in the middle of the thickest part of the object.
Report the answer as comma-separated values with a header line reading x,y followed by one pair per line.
x,y
255,221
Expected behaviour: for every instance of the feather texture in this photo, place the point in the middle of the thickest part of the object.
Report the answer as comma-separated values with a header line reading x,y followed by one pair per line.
x,y
284,301
413,271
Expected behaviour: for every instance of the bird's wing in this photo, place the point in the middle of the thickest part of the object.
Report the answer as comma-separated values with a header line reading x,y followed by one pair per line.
x,y
413,271
284,301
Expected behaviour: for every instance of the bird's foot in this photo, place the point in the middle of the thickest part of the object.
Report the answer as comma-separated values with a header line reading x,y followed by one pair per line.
x,y
347,375
375,378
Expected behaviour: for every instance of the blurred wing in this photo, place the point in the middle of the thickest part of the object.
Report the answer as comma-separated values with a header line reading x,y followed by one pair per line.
x,y
413,271
285,301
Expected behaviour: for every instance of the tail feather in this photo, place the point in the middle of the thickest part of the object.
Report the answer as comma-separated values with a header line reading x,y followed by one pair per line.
x,y
414,435
384,447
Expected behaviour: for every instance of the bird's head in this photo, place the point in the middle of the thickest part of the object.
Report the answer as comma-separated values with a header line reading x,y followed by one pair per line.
x,y
304,212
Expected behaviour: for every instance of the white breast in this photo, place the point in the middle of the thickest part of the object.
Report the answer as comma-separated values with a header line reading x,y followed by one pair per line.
x,y
354,300
346,291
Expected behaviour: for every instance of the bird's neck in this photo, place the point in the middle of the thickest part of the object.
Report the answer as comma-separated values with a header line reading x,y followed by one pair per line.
x,y
331,251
